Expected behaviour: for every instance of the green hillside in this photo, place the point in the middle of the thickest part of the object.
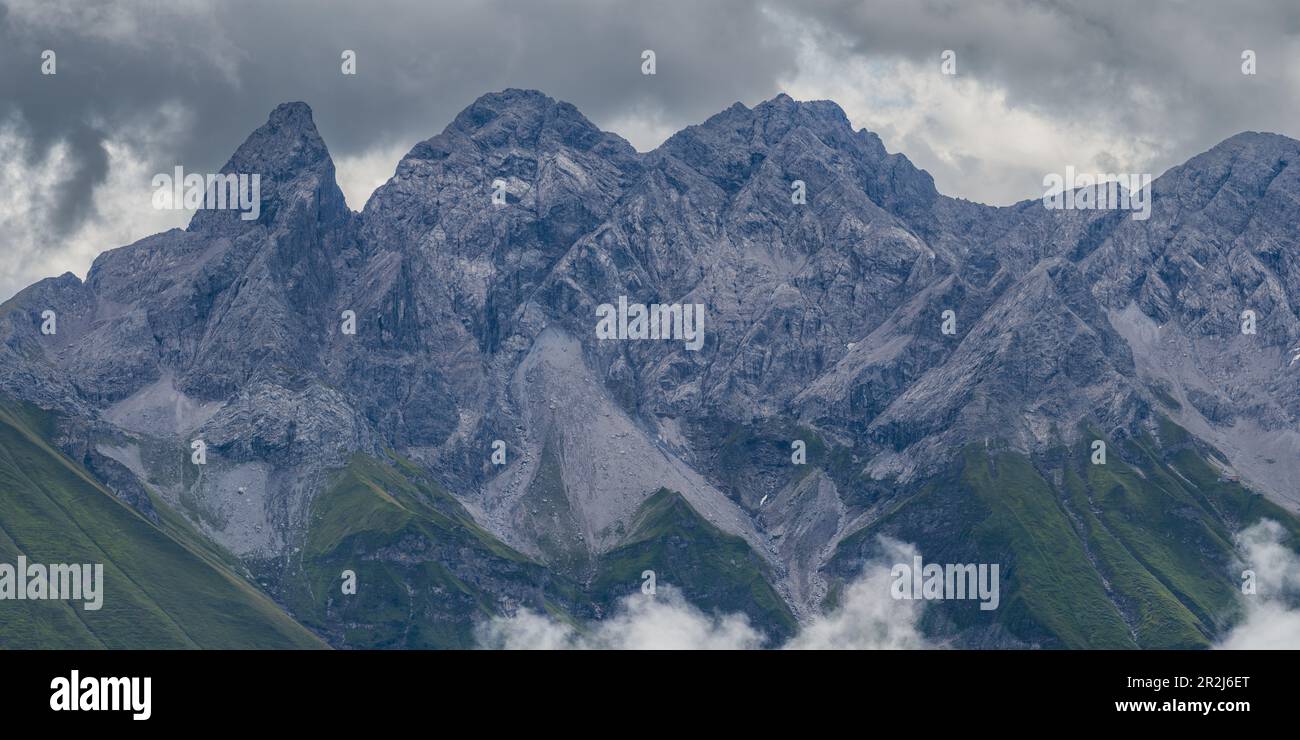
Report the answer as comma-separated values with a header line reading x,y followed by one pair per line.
x,y
425,571
1134,553
160,589
715,571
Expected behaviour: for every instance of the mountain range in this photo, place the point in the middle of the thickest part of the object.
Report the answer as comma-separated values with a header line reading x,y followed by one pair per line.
x,y
372,451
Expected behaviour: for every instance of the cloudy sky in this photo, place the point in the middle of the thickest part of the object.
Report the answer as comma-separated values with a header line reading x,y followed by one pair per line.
x,y
1103,85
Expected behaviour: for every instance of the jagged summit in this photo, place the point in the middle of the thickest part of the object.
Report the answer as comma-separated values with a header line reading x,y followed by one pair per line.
x,y
519,118
289,143
926,350
284,146
295,171
294,113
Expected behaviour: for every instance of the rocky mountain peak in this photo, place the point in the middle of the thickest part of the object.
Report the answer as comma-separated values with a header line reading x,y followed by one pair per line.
x,y
731,146
294,170
899,333
528,119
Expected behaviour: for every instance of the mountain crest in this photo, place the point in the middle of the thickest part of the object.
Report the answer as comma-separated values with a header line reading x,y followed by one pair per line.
x,y
421,391
294,174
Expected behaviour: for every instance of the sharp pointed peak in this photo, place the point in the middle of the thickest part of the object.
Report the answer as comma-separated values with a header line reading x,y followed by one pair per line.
x,y
288,140
285,149
292,111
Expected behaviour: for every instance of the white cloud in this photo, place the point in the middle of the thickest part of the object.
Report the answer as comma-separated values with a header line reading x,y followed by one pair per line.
x,y
24,188
645,127
122,210
1272,613
966,133
359,175
868,618
665,621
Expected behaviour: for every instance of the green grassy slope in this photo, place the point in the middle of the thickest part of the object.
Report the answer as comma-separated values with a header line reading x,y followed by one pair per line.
x,y
426,572
160,591
714,570
1134,553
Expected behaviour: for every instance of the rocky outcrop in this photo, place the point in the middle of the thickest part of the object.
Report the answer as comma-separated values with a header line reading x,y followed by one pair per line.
x,y
475,273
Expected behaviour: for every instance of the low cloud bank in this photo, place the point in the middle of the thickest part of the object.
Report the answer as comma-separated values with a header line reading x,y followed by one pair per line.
x,y
867,618
1272,613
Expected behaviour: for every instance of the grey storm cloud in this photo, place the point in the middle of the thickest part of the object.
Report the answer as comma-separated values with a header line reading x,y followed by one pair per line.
x,y
419,63
1157,69
1162,73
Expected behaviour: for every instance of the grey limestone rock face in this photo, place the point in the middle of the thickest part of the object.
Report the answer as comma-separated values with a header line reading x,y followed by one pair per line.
x,y
475,322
